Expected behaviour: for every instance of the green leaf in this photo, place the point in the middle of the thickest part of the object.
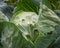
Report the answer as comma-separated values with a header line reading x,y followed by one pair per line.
x,y
12,37
45,41
56,42
47,23
57,12
6,9
49,14
11,2
47,3
55,4
27,5
48,20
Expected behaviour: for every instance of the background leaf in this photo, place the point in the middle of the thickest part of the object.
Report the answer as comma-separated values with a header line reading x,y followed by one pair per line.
x,y
47,3
27,5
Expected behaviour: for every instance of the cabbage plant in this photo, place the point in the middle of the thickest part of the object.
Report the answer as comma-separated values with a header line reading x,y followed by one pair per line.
x,y
32,25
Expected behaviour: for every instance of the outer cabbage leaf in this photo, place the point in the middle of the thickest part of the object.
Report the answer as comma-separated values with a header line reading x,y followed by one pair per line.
x,y
12,37
47,23
48,41
48,20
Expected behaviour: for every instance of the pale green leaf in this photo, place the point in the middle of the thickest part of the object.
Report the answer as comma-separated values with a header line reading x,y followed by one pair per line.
x,y
48,20
48,40
26,22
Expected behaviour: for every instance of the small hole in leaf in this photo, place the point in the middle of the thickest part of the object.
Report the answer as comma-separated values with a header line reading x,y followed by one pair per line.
x,y
23,19
35,30
27,36
30,25
49,33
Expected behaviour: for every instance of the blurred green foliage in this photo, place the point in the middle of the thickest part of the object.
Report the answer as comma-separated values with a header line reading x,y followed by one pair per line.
x,y
54,3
